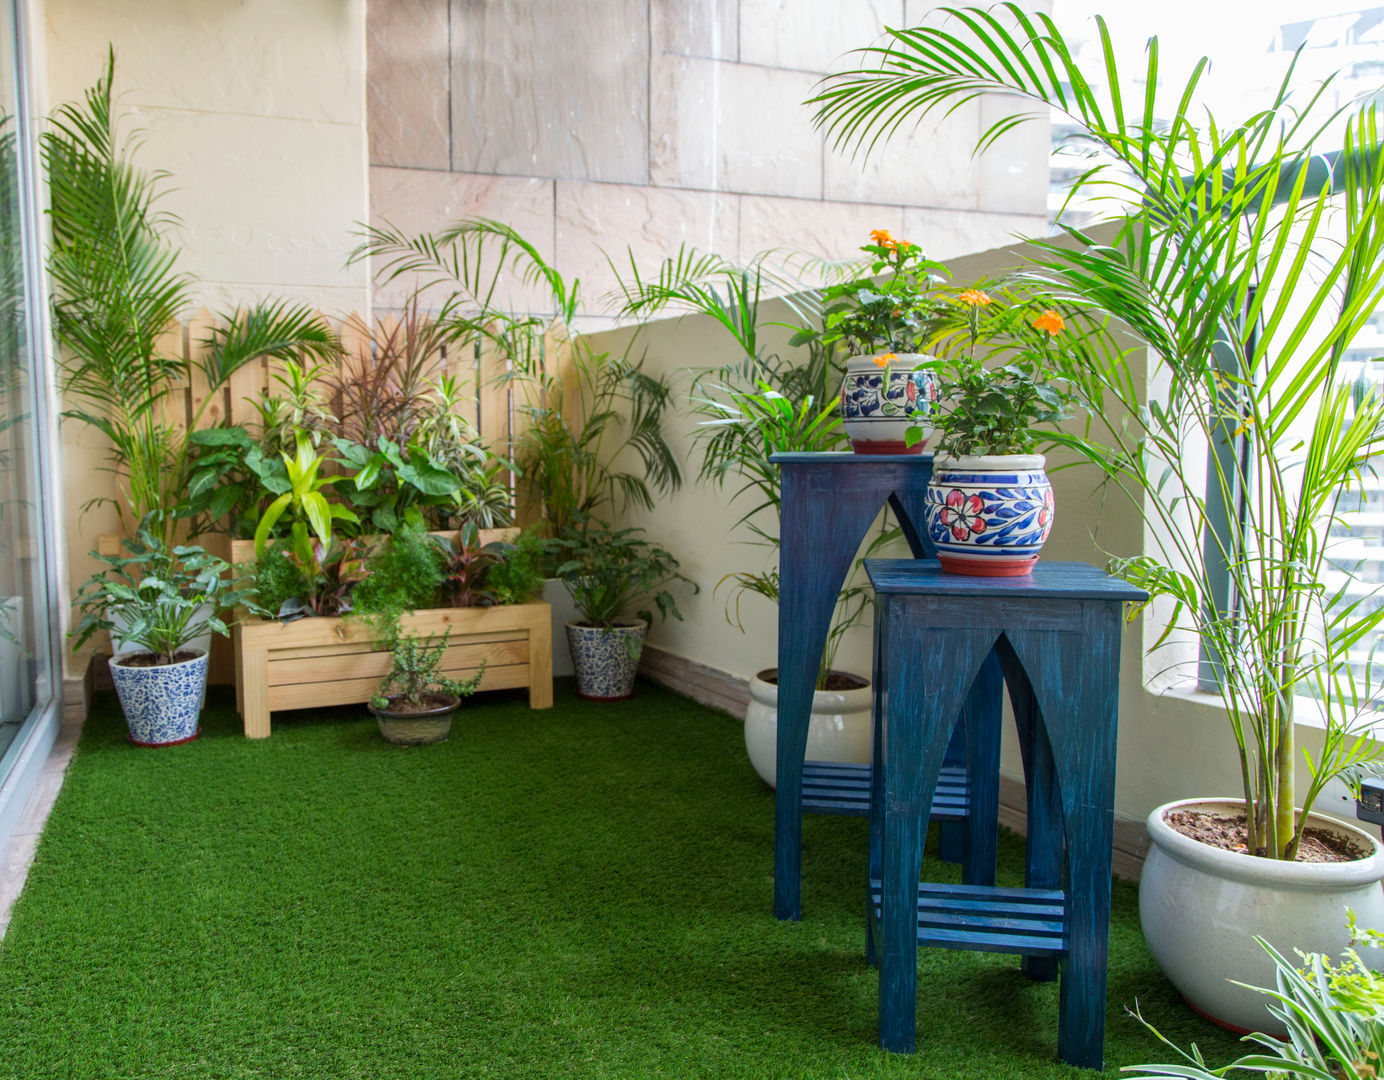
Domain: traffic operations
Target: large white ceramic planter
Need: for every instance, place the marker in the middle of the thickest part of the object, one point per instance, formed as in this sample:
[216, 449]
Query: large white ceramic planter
[989, 515]
[161, 704]
[876, 412]
[604, 660]
[1202, 907]
[839, 729]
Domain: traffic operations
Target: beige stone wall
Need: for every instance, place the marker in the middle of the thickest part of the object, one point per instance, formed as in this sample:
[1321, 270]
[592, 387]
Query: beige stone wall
[652, 123]
[257, 109]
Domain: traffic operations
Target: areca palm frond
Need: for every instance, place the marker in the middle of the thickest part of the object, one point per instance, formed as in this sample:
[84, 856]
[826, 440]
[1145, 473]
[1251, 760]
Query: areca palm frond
[1246, 260]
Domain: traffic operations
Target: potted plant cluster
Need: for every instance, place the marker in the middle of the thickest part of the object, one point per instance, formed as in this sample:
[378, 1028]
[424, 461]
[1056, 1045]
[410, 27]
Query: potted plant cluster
[163, 601]
[609, 572]
[749, 409]
[1244, 258]
[989, 504]
[883, 319]
[415, 702]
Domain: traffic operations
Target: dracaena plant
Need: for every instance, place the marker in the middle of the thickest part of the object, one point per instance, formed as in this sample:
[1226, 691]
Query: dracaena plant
[310, 533]
[1246, 256]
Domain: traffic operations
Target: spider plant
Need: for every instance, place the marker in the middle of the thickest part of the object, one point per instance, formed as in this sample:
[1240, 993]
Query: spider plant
[1246, 261]
[117, 290]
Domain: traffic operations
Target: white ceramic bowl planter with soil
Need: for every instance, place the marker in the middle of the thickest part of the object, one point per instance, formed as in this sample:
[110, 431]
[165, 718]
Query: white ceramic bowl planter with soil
[839, 729]
[1201, 908]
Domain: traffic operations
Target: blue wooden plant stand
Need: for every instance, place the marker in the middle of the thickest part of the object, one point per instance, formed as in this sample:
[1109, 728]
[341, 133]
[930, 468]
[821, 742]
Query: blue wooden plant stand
[1057, 635]
[828, 503]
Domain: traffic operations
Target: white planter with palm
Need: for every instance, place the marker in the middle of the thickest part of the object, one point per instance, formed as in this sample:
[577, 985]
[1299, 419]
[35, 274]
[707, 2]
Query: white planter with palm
[1247, 339]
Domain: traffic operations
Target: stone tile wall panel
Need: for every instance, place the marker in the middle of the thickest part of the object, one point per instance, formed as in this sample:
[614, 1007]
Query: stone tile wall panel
[551, 88]
[811, 35]
[706, 28]
[408, 100]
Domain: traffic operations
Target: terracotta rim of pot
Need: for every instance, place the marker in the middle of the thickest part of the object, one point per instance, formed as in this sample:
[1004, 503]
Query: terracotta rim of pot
[1254, 869]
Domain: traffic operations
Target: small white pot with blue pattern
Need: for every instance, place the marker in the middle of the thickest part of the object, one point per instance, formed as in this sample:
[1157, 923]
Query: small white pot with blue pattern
[606, 660]
[989, 515]
[879, 395]
[162, 704]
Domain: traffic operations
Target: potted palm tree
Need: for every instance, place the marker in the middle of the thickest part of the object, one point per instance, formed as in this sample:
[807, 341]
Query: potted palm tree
[162, 600]
[1245, 260]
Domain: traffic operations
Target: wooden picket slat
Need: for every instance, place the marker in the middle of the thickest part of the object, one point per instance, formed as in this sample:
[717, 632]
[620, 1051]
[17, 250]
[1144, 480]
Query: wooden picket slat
[172, 343]
[198, 327]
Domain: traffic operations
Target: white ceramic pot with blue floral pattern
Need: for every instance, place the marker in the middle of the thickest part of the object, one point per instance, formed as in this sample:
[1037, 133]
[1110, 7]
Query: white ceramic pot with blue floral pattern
[989, 515]
[878, 395]
[161, 703]
[606, 659]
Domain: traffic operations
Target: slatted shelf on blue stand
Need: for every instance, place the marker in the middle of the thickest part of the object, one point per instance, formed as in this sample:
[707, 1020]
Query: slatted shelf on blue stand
[988, 919]
[839, 787]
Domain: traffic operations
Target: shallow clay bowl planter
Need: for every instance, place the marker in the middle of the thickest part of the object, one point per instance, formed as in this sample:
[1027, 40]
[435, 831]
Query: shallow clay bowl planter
[1201, 908]
[409, 725]
[161, 702]
[839, 728]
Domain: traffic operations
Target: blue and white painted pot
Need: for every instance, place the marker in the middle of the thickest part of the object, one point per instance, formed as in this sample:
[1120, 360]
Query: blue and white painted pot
[876, 411]
[989, 515]
[161, 704]
[605, 661]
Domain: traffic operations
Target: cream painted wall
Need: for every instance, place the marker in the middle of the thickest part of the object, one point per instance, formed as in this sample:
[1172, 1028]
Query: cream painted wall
[1170, 745]
[257, 110]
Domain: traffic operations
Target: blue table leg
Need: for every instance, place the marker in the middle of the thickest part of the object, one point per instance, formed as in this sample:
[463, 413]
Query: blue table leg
[983, 717]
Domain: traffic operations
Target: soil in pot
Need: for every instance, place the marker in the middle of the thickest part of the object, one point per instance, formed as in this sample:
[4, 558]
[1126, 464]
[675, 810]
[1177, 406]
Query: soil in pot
[1228, 834]
[147, 659]
[836, 680]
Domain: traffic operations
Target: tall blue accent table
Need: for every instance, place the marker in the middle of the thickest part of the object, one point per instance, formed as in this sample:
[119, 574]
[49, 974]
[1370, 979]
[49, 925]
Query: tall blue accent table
[1057, 636]
[828, 503]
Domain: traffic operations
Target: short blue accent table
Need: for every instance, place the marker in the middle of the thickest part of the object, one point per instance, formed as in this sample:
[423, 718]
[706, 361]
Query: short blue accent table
[828, 503]
[1057, 636]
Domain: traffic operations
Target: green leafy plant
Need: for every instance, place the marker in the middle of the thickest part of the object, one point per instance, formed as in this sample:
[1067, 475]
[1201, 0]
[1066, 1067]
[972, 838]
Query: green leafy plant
[414, 673]
[405, 573]
[157, 597]
[517, 577]
[1333, 1012]
[1246, 258]
[995, 408]
[466, 569]
[891, 314]
[116, 291]
[589, 413]
[304, 500]
[610, 571]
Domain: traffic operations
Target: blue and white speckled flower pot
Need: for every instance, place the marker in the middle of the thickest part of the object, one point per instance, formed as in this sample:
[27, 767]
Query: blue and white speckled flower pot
[989, 515]
[604, 661]
[876, 413]
[161, 704]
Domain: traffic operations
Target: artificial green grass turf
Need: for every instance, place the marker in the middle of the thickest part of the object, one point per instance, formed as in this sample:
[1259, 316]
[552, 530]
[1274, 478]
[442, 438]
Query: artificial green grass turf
[584, 891]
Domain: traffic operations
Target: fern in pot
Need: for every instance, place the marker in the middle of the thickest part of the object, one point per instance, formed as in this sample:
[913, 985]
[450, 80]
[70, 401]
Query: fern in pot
[609, 572]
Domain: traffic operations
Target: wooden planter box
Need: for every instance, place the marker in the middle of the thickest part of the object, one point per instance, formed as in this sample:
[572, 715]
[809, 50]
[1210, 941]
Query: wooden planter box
[331, 661]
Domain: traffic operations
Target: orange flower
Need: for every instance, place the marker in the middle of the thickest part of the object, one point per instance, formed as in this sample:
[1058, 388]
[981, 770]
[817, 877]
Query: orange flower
[976, 298]
[1050, 323]
[882, 238]
[885, 360]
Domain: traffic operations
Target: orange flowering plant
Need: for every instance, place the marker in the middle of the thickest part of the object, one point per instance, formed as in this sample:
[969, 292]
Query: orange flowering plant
[892, 309]
[993, 409]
